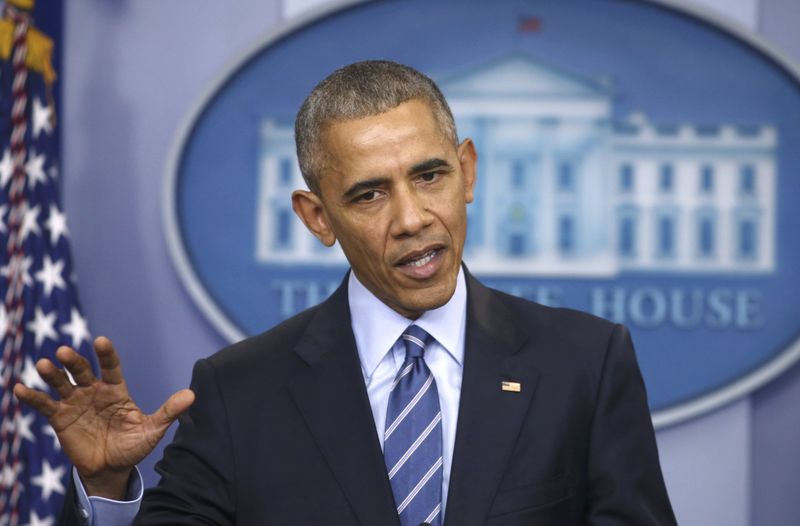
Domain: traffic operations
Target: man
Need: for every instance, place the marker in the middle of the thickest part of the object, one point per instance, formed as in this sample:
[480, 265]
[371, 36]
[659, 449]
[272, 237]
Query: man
[412, 395]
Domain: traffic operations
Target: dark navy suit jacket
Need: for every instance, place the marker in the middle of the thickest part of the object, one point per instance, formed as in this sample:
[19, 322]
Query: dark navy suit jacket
[282, 431]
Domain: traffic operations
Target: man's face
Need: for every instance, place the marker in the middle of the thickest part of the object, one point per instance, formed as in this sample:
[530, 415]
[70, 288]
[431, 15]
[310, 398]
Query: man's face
[394, 192]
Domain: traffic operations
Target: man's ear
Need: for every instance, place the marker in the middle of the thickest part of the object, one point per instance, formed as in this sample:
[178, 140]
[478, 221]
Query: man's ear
[468, 158]
[311, 211]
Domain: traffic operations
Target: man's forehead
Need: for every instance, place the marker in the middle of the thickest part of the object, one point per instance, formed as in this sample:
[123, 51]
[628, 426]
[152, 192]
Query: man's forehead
[400, 126]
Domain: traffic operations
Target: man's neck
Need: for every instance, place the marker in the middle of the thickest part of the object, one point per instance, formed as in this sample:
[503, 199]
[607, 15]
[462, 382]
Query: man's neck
[376, 326]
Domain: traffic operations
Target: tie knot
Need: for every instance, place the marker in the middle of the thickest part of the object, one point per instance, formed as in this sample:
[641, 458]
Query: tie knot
[415, 340]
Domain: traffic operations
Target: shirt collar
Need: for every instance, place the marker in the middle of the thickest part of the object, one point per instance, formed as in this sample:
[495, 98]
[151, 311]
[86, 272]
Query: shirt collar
[377, 327]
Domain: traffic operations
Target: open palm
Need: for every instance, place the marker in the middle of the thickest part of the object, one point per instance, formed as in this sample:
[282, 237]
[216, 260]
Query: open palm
[99, 426]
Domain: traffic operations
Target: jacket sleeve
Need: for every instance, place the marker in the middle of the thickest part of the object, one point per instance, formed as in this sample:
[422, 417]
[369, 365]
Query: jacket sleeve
[197, 483]
[625, 481]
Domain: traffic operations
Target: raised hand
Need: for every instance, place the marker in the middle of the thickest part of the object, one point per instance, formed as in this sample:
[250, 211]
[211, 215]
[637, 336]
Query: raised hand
[101, 429]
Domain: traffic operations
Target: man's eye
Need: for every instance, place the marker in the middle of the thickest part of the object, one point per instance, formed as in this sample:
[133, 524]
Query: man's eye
[367, 196]
[429, 177]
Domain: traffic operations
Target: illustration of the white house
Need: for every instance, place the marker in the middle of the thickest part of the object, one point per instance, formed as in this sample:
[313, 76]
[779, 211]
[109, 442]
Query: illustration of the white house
[565, 189]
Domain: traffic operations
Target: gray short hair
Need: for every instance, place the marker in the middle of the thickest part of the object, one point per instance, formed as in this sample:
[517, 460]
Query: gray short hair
[356, 91]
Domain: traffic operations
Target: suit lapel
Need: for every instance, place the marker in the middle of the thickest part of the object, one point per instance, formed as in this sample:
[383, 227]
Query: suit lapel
[489, 418]
[333, 400]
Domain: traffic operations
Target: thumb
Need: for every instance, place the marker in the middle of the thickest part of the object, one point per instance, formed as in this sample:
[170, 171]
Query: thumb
[172, 408]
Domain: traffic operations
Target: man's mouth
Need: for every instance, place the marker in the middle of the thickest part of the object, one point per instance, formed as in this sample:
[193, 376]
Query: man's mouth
[423, 259]
[422, 264]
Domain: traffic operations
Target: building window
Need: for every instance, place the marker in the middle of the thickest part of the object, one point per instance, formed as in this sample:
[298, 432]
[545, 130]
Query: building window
[666, 236]
[517, 213]
[747, 179]
[566, 234]
[286, 171]
[517, 175]
[566, 177]
[627, 236]
[707, 179]
[666, 178]
[707, 130]
[705, 237]
[283, 229]
[747, 242]
[626, 181]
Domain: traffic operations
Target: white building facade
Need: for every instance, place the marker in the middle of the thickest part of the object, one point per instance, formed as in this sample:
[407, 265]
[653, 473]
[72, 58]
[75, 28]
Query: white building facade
[564, 190]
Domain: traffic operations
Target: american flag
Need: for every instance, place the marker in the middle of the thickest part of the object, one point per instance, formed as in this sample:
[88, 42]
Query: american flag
[39, 309]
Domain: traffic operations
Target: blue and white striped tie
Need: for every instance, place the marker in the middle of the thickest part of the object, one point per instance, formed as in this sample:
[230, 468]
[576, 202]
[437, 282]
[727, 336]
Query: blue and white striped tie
[412, 440]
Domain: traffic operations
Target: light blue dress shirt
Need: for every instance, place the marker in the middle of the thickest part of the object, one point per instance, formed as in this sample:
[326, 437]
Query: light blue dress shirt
[107, 512]
[376, 328]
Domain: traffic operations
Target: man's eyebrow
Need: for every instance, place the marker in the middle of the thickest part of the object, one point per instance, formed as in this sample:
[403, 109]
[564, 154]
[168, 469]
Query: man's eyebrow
[427, 166]
[368, 184]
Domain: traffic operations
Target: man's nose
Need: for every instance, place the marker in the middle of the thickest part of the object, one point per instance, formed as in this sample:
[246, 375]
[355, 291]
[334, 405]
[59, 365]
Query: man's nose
[410, 212]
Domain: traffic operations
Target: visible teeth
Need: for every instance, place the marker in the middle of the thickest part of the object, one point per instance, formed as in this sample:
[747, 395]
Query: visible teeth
[424, 260]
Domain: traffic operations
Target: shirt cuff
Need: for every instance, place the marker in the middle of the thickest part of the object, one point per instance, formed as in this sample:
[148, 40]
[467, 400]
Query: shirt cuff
[108, 512]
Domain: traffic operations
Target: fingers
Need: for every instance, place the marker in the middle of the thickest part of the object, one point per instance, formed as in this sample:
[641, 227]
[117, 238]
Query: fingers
[55, 377]
[110, 369]
[77, 365]
[172, 408]
[36, 399]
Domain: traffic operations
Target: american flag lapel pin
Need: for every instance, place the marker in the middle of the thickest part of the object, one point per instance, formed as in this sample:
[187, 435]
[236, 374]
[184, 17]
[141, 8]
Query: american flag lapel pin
[511, 387]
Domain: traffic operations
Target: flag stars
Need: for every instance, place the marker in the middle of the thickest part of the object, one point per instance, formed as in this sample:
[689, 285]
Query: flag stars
[42, 326]
[6, 168]
[50, 480]
[30, 222]
[42, 118]
[76, 328]
[8, 475]
[50, 275]
[57, 224]
[3, 321]
[23, 426]
[30, 377]
[35, 520]
[35, 169]
[25, 264]
[48, 430]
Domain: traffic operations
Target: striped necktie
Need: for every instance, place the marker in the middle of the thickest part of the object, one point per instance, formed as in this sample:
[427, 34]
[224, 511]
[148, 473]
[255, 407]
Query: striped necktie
[412, 438]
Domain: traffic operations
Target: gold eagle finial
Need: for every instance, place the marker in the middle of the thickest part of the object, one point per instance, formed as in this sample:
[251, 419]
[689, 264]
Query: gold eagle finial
[40, 46]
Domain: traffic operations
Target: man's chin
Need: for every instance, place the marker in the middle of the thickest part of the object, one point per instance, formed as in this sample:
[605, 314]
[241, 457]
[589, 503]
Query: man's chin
[413, 305]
